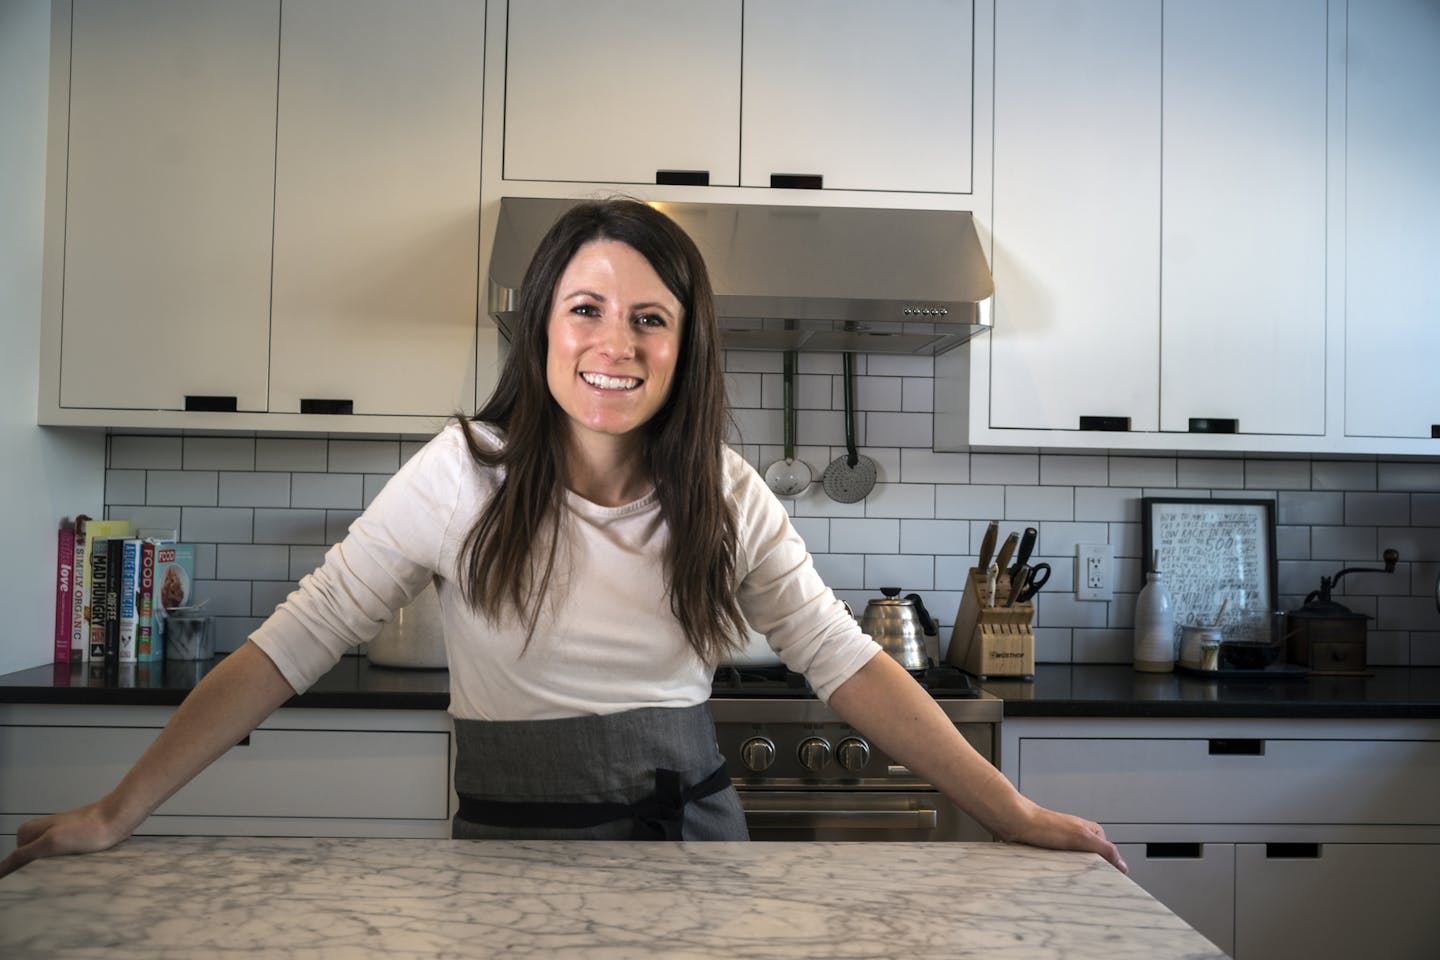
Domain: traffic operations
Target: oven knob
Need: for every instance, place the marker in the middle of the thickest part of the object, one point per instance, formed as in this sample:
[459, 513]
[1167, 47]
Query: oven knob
[814, 754]
[757, 754]
[853, 753]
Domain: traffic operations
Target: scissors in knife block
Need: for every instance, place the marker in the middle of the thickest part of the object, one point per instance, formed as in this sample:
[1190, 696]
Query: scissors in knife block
[1038, 576]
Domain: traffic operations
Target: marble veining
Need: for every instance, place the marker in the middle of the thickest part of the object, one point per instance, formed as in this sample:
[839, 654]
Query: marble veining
[161, 898]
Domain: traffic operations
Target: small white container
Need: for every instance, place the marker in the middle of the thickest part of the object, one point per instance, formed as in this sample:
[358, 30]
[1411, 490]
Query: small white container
[1154, 627]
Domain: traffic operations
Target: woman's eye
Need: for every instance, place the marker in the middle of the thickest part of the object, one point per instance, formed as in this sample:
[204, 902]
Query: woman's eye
[650, 320]
[586, 310]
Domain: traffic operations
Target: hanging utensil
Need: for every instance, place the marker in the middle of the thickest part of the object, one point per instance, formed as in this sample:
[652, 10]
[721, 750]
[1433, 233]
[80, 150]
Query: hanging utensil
[849, 478]
[789, 477]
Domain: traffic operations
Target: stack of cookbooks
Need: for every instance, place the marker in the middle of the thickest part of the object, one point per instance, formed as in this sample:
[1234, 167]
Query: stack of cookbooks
[113, 589]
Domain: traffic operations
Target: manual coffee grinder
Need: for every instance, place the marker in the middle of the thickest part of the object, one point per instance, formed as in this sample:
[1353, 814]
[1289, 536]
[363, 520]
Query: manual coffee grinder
[1327, 636]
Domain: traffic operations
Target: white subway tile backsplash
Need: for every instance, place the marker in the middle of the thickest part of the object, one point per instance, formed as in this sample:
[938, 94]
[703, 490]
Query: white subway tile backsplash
[1342, 475]
[408, 449]
[248, 561]
[125, 487]
[1381, 509]
[1126, 539]
[1411, 476]
[1040, 503]
[205, 560]
[935, 537]
[1425, 509]
[151, 521]
[374, 483]
[899, 430]
[182, 488]
[882, 365]
[1299, 577]
[1277, 474]
[219, 453]
[967, 501]
[758, 425]
[1387, 648]
[1074, 470]
[950, 574]
[812, 392]
[865, 536]
[1061, 610]
[1103, 646]
[901, 500]
[1011, 468]
[815, 503]
[1210, 474]
[927, 466]
[364, 456]
[266, 595]
[223, 598]
[917, 396]
[815, 531]
[1408, 613]
[873, 393]
[144, 453]
[1313, 508]
[756, 361]
[1121, 504]
[290, 526]
[325, 490]
[747, 390]
[305, 560]
[1052, 645]
[842, 571]
[1292, 543]
[1337, 543]
[907, 573]
[1059, 539]
[816, 427]
[254, 489]
[291, 454]
[337, 524]
[1425, 648]
[217, 524]
[1142, 471]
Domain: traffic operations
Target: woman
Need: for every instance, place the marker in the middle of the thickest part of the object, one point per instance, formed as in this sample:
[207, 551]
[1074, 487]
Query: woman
[596, 549]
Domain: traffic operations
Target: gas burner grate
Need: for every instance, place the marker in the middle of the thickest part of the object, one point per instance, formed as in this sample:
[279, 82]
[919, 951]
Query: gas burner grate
[941, 680]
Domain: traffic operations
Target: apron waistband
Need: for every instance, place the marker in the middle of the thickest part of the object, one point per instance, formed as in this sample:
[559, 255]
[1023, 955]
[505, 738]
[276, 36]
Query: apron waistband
[659, 816]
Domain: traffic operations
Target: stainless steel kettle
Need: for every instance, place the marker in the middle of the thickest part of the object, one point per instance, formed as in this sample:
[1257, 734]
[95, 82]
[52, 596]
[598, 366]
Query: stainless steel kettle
[899, 624]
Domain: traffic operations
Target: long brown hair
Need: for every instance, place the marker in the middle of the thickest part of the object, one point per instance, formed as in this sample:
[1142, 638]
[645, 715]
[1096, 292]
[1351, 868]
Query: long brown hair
[508, 556]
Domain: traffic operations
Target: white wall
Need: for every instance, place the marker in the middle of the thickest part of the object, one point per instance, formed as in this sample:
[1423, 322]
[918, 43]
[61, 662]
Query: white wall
[44, 474]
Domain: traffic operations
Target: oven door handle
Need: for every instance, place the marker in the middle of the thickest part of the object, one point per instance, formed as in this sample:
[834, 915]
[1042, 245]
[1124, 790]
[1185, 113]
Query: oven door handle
[923, 818]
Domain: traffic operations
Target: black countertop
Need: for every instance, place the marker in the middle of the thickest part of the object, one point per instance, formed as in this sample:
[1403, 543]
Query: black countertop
[1059, 690]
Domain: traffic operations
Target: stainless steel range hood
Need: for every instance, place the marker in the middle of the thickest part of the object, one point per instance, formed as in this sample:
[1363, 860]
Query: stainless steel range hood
[804, 278]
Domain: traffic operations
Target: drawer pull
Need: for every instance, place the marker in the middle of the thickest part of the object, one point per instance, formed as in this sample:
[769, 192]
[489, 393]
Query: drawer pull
[199, 404]
[1214, 425]
[798, 181]
[683, 178]
[1115, 424]
[327, 406]
[1435, 431]
[1232, 747]
[244, 741]
[1292, 851]
[1174, 851]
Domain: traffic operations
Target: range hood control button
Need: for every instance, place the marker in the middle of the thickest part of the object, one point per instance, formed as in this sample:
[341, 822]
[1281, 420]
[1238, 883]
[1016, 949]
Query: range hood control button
[814, 754]
[853, 754]
[758, 753]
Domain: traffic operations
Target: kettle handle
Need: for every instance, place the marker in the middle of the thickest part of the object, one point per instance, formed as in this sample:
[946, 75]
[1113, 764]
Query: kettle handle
[926, 623]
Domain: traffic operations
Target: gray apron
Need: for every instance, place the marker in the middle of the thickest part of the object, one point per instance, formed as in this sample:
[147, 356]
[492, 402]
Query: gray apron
[652, 773]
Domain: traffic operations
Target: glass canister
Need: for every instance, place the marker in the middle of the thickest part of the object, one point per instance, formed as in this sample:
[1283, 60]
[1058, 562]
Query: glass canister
[189, 635]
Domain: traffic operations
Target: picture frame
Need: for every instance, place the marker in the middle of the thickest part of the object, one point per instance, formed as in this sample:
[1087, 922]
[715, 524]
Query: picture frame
[1213, 554]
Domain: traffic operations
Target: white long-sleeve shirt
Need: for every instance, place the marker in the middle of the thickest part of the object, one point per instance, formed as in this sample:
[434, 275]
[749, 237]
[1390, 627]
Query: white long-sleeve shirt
[606, 640]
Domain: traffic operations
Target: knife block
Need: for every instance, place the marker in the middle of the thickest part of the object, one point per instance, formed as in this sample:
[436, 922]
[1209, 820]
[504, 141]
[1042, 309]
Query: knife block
[992, 641]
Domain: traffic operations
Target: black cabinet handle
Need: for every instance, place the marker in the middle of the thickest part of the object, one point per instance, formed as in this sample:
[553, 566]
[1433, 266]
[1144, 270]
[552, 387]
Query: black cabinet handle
[1174, 851]
[1114, 424]
[1214, 425]
[327, 406]
[1435, 431]
[683, 178]
[1292, 851]
[1236, 747]
[200, 404]
[244, 741]
[798, 181]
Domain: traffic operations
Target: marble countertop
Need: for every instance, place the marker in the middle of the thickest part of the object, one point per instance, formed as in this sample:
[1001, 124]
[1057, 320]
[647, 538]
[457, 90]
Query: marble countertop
[160, 898]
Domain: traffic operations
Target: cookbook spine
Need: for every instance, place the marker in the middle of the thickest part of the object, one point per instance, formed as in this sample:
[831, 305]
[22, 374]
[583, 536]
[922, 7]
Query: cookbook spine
[146, 649]
[78, 637]
[129, 579]
[115, 552]
[98, 530]
[64, 590]
[99, 565]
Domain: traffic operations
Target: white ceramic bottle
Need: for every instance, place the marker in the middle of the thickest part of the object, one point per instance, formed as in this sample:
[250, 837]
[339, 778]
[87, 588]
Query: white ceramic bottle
[1154, 626]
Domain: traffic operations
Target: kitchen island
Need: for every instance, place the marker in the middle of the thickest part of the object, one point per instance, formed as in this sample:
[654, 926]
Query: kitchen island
[157, 898]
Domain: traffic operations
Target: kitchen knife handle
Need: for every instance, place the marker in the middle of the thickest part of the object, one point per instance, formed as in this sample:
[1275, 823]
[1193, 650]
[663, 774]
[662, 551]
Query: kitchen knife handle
[1008, 551]
[987, 545]
[1017, 583]
[1027, 546]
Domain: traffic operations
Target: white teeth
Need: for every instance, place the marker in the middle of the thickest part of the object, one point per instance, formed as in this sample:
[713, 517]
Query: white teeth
[609, 383]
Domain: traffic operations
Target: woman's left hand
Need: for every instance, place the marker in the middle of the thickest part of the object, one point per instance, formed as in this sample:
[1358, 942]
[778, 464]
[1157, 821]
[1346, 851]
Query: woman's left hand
[1041, 827]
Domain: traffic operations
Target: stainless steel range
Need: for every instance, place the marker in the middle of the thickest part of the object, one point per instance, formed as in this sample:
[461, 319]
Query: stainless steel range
[804, 774]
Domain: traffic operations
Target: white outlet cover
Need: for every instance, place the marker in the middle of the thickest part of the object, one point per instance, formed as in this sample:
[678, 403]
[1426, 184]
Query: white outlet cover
[1093, 572]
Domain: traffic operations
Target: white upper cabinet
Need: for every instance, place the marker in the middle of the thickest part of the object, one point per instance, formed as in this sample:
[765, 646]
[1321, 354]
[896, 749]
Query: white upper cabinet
[616, 92]
[865, 95]
[1392, 218]
[169, 195]
[1243, 229]
[1077, 212]
[861, 95]
[377, 207]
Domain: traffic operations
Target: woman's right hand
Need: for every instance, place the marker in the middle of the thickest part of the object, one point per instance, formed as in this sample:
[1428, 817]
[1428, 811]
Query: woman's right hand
[82, 830]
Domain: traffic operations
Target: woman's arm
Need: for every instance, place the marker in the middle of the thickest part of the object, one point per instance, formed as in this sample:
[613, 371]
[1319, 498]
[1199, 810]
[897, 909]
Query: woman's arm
[884, 703]
[242, 690]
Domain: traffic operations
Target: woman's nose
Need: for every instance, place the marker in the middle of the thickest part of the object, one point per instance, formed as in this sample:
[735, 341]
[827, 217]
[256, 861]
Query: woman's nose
[617, 340]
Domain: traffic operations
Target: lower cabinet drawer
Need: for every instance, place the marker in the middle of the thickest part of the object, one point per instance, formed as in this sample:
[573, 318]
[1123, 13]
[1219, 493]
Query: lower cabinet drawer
[1234, 780]
[1196, 880]
[274, 773]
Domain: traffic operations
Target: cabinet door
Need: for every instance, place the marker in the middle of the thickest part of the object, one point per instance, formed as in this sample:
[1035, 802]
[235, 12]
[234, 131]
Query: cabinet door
[169, 203]
[377, 206]
[1336, 900]
[868, 96]
[617, 91]
[1196, 880]
[1243, 237]
[1077, 213]
[1392, 219]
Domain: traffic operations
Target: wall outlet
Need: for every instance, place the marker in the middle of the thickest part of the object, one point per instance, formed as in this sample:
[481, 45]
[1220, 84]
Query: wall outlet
[1092, 572]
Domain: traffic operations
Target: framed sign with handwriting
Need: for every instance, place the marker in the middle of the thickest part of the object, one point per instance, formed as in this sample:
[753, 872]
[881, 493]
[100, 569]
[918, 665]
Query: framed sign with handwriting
[1214, 554]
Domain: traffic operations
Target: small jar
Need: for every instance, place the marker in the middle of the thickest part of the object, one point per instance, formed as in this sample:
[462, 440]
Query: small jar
[1154, 626]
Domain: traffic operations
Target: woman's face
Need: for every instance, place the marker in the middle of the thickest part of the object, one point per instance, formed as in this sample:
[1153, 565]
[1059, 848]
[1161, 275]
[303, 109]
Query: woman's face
[614, 340]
